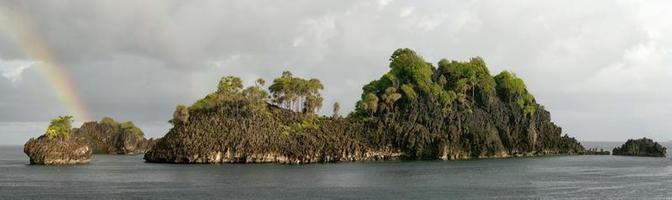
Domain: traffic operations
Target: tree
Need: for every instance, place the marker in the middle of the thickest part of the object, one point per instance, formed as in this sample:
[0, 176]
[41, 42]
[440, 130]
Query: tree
[60, 127]
[297, 94]
[260, 82]
[129, 127]
[370, 103]
[390, 96]
[511, 88]
[108, 121]
[336, 110]
[230, 84]
[181, 114]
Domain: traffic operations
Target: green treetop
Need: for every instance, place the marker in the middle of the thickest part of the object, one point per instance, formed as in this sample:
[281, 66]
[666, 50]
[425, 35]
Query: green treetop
[297, 94]
[513, 89]
[412, 79]
[60, 127]
[230, 88]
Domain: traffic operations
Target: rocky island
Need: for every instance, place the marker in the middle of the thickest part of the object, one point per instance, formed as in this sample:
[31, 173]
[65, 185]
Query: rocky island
[641, 147]
[57, 146]
[454, 110]
[62, 144]
[111, 137]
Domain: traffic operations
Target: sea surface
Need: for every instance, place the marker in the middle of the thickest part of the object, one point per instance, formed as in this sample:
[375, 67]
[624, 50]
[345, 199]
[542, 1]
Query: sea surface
[128, 177]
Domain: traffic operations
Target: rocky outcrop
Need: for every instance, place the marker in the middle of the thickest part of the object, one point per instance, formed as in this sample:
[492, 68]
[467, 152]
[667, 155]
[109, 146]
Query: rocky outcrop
[110, 137]
[57, 151]
[641, 147]
[415, 111]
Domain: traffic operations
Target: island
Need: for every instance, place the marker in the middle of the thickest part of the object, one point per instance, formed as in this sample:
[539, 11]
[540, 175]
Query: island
[644, 147]
[63, 144]
[454, 110]
[57, 146]
[111, 137]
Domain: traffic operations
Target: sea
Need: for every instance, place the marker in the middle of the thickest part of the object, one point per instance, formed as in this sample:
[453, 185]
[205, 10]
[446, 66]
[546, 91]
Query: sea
[551, 177]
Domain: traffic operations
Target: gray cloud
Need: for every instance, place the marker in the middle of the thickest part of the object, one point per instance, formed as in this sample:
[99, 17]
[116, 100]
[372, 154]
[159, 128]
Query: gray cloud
[600, 67]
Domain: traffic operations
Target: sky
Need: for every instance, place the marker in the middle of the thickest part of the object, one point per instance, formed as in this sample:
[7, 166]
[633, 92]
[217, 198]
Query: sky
[602, 68]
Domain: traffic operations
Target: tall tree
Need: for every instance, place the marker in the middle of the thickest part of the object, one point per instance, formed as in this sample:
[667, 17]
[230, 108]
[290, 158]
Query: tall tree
[336, 110]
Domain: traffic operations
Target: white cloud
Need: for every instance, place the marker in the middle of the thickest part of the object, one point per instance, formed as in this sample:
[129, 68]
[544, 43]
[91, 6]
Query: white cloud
[13, 70]
[383, 3]
[406, 12]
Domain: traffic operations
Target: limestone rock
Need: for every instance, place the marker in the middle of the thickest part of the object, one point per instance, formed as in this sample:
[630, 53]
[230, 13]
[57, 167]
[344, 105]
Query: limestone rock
[57, 151]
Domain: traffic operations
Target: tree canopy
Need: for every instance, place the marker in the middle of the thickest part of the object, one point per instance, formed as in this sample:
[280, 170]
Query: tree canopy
[513, 89]
[230, 88]
[297, 94]
[60, 127]
[453, 84]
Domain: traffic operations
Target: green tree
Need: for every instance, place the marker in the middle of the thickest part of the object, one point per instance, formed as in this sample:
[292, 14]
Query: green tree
[511, 88]
[296, 94]
[129, 127]
[370, 103]
[60, 127]
[230, 84]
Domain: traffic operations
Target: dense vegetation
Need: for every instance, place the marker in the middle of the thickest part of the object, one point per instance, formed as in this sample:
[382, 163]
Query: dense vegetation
[457, 110]
[641, 147]
[60, 127]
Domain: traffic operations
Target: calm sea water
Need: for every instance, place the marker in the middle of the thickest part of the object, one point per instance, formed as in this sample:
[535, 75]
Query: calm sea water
[128, 177]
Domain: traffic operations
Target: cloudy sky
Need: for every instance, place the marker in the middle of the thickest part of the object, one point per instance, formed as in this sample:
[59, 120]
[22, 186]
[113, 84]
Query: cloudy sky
[603, 68]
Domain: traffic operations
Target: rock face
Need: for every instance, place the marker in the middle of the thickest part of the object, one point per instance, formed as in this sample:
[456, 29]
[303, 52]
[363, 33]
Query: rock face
[110, 137]
[57, 151]
[641, 147]
[415, 111]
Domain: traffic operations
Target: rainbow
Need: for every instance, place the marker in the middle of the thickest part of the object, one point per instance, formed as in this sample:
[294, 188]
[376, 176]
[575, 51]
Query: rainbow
[48, 65]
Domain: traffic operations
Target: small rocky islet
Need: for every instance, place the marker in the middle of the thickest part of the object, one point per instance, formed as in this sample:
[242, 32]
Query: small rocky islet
[62, 144]
[643, 147]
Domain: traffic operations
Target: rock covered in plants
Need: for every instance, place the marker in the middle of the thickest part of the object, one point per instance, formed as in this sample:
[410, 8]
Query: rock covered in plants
[641, 147]
[111, 137]
[457, 110]
[57, 146]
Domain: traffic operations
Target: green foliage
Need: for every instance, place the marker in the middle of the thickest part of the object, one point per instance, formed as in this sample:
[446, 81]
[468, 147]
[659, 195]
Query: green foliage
[465, 77]
[370, 103]
[297, 94]
[310, 122]
[60, 127]
[230, 89]
[410, 68]
[229, 84]
[409, 92]
[109, 121]
[391, 96]
[513, 89]
[129, 127]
